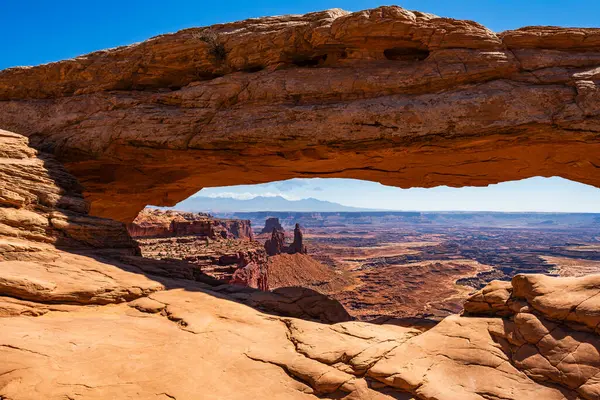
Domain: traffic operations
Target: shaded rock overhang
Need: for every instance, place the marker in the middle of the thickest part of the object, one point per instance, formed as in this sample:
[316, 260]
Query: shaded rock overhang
[403, 98]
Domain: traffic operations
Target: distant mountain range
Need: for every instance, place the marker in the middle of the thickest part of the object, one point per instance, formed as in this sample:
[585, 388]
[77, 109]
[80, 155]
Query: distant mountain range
[260, 203]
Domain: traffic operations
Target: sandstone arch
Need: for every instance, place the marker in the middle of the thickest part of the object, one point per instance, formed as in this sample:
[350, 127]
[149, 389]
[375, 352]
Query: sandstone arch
[403, 98]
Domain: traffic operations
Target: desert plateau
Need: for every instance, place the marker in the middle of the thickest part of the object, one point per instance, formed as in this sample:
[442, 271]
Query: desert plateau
[120, 280]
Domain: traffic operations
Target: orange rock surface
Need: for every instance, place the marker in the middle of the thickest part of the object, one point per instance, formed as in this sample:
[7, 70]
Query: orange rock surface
[164, 223]
[399, 97]
[78, 319]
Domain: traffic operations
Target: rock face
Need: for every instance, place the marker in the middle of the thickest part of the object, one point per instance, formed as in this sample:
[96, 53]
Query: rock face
[41, 203]
[66, 299]
[53, 255]
[429, 101]
[271, 224]
[42, 210]
[242, 262]
[169, 223]
[551, 328]
[238, 228]
[276, 244]
[297, 245]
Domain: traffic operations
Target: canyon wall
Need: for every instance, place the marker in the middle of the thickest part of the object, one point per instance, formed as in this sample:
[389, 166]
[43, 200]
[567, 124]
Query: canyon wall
[398, 97]
[41, 204]
[166, 223]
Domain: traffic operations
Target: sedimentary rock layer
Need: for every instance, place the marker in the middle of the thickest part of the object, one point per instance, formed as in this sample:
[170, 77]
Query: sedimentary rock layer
[404, 98]
[551, 328]
[53, 253]
[79, 319]
[166, 223]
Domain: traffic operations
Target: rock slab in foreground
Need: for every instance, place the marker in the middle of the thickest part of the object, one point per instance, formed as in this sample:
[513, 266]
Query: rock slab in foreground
[79, 319]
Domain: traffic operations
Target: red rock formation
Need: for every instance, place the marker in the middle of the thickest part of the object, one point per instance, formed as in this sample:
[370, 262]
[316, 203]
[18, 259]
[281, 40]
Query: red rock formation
[166, 223]
[429, 101]
[221, 258]
[547, 333]
[271, 224]
[297, 245]
[210, 244]
[237, 228]
[41, 203]
[551, 328]
[53, 256]
[253, 275]
[276, 244]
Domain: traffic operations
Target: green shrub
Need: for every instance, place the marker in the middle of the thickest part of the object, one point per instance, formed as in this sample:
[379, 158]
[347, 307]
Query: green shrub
[216, 47]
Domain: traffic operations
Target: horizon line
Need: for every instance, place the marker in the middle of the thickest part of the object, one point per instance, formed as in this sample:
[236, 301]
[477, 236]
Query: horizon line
[383, 211]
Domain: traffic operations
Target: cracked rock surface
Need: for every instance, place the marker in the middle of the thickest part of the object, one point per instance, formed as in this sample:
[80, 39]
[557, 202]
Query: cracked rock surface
[550, 328]
[83, 320]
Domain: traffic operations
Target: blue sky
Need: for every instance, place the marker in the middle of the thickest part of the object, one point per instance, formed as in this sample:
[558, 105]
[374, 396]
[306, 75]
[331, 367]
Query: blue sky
[534, 194]
[40, 31]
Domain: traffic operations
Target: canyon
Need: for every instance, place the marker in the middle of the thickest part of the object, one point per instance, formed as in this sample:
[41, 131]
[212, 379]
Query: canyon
[399, 97]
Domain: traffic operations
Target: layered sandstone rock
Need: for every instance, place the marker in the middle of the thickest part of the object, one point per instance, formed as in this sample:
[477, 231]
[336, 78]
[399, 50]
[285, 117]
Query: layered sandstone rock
[53, 255]
[400, 97]
[71, 318]
[165, 223]
[551, 328]
[276, 244]
[42, 203]
[428, 101]
[42, 210]
[220, 248]
[227, 260]
[297, 245]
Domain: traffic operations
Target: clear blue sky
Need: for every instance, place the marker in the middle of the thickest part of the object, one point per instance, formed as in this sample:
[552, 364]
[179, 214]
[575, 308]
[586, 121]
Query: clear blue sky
[40, 31]
[534, 194]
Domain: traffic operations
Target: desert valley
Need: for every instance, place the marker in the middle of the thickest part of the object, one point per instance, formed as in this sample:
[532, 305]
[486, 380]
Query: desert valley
[110, 291]
[403, 265]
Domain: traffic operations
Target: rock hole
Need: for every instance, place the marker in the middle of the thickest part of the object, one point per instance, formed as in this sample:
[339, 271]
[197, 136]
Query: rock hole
[301, 61]
[254, 68]
[405, 54]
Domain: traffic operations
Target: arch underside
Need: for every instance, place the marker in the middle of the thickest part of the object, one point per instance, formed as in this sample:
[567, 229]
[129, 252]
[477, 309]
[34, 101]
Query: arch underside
[430, 102]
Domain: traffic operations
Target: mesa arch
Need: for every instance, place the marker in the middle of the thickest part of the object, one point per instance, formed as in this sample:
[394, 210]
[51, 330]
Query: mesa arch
[403, 98]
